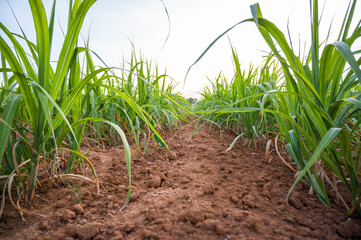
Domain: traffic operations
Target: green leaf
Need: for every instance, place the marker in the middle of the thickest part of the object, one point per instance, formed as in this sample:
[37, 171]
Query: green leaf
[256, 12]
[68, 49]
[8, 117]
[158, 140]
[234, 142]
[326, 140]
[347, 54]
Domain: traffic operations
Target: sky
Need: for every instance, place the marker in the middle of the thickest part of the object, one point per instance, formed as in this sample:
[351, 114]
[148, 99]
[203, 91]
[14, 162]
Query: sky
[113, 24]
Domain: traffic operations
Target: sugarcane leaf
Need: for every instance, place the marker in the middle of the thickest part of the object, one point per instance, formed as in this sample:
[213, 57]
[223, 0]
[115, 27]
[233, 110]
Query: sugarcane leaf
[326, 140]
[8, 116]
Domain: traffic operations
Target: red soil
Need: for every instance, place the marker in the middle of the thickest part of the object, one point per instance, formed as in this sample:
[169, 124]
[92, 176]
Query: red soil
[195, 191]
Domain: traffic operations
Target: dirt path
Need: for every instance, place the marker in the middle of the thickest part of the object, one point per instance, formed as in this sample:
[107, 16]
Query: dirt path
[198, 191]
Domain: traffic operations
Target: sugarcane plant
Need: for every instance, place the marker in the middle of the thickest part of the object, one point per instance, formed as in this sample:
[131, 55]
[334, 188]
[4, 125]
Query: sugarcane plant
[43, 104]
[154, 92]
[245, 84]
[317, 107]
[320, 98]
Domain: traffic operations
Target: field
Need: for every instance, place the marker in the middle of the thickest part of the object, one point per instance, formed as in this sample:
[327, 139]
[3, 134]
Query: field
[198, 191]
[99, 152]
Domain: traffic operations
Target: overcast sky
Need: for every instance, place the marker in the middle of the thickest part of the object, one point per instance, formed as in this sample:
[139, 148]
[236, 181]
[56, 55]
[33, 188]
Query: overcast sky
[194, 25]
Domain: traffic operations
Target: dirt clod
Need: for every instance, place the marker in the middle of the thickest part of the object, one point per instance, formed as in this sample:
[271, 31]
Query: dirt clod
[252, 223]
[87, 231]
[67, 215]
[349, 229]
[155, 181]
[60, 204]
[118, 236]
[44, 225]
[220, 230]
[208, 189]
[78, 209]
[193, 215]
[148, 234]
[172, 155]
[249, 201]
[209, 224]
[151, 215]
[234, 199]
[295, 202]
[99, 237]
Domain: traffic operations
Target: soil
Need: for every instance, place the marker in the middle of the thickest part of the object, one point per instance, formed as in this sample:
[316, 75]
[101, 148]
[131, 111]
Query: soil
[196, 190]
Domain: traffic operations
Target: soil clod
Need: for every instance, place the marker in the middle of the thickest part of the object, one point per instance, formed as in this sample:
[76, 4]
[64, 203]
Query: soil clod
[155, 181]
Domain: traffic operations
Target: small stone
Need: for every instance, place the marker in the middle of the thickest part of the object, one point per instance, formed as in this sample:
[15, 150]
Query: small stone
[110, 197]
[83, 221]
[78, 209]
[155, 181]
